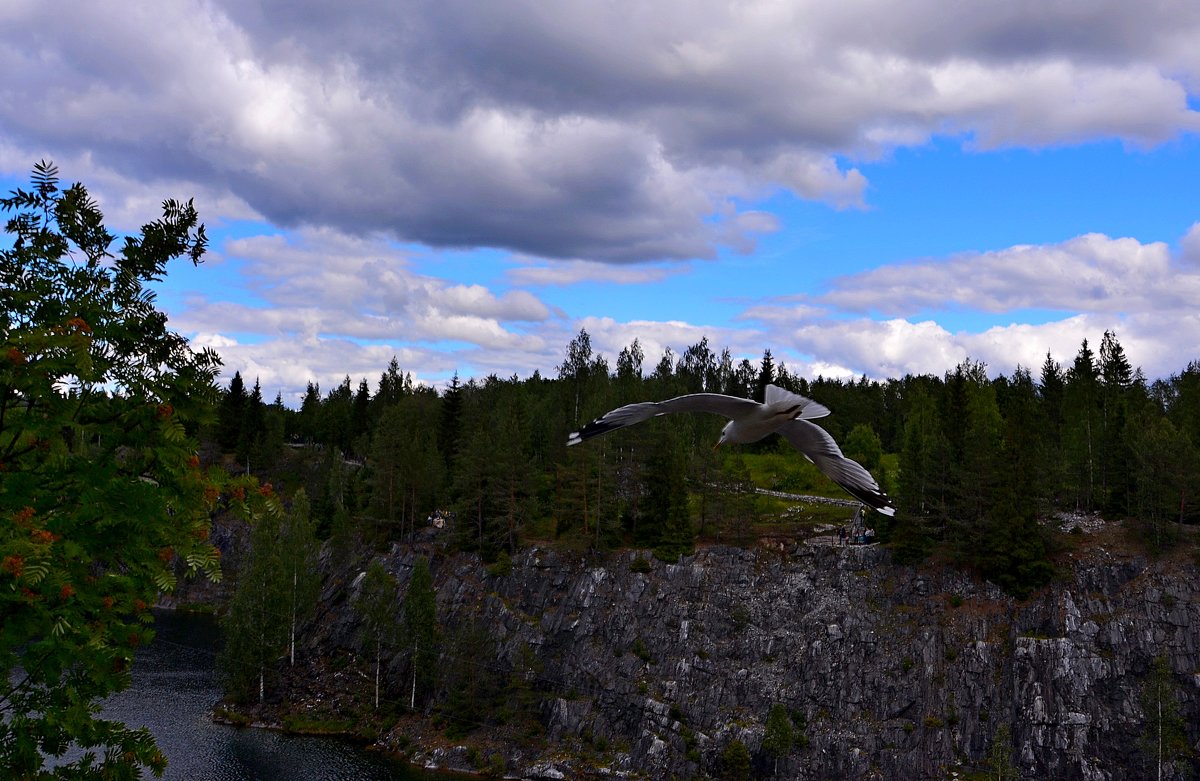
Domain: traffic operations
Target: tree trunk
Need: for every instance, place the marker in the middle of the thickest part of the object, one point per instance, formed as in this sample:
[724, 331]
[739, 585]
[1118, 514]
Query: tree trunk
[292, 627]
[412, 703]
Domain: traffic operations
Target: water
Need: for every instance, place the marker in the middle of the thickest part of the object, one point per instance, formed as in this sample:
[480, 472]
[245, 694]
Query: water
[174, 688]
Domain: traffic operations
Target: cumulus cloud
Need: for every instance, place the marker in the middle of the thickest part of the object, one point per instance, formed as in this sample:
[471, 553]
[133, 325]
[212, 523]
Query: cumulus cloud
[1098, 283]
[1189, 247]
[612, 132]
[351, 303]
[1092, 273]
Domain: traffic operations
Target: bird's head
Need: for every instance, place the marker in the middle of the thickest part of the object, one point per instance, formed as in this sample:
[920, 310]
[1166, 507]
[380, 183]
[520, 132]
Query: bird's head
[724, 435]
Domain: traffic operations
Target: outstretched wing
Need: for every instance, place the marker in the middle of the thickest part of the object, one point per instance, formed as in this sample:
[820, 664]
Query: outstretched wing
[716, 403]
[778, 399]
[817, 446]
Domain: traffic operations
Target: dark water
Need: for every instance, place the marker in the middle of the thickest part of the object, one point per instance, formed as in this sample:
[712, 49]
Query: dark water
[174, 689]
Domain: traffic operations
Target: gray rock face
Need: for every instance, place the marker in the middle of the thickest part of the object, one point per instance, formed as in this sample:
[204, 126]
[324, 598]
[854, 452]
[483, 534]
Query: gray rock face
[899, 673]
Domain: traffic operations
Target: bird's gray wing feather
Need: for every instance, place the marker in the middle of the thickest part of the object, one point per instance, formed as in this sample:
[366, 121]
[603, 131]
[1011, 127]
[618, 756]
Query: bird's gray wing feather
[817, 446]
[778, 398]
[716, 403]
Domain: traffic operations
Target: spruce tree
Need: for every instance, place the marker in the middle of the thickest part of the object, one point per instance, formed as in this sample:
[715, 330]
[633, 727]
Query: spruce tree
[766, 376]
[232, 414]
[1081, 411]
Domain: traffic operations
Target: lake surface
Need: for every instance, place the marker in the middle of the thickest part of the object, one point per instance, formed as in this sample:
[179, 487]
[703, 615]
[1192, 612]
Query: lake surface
[174, 688]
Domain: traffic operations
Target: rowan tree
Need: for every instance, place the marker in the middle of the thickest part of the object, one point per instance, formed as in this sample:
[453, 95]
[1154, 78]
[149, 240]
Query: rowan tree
[101, 492]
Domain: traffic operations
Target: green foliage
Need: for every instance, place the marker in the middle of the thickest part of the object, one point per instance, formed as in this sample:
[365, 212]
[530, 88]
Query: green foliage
[255, 628]
[640, 564]
[377, 605]
[474, 687]
[735, 762]
[421, 630]
[1163, 741]
[665, 509]
[301, 580]
[863, 446]
[502, 566]
[522, 695]
[406, 472]
[976, 462]
[999, 764]
[102, 500]
[779, 736]
[1012, 552]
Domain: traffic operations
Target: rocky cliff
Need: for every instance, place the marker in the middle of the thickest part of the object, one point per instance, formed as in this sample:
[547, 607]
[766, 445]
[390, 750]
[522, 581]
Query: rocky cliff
[894, 672]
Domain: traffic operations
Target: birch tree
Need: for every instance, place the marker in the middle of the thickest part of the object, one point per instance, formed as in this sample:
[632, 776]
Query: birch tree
[301, 580]
[255, 626]
[378, 605]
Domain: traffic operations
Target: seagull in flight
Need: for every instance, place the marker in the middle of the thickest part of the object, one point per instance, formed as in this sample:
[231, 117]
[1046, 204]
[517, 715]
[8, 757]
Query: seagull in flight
[785, 412]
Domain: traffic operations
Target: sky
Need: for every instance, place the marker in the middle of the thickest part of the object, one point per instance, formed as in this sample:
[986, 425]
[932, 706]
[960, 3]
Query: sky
[863, 187]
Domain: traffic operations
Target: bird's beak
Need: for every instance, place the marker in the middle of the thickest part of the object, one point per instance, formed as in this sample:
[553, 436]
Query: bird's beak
[717, 445]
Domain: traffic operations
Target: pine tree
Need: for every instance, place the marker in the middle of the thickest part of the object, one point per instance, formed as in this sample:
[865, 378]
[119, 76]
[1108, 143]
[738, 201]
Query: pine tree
[473, 686]
[337, 411]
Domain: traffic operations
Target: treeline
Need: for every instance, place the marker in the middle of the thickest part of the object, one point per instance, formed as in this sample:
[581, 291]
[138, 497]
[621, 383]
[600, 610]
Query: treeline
[974, 461]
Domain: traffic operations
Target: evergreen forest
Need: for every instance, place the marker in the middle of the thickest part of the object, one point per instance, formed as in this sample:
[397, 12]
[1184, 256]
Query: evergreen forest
[976, 462]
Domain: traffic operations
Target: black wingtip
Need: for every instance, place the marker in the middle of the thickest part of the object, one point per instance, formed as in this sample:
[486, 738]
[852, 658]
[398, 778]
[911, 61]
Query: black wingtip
[876, 500]
[593, 429]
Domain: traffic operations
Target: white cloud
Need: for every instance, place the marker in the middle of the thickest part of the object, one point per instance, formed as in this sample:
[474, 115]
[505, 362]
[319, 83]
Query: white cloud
[1098, 283]
[573, 272]
[1091, 273]
[611, 132]
[1189, 247]
[352, 303]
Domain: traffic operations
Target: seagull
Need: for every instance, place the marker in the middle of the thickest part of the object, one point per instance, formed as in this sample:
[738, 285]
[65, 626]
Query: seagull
[784, 412]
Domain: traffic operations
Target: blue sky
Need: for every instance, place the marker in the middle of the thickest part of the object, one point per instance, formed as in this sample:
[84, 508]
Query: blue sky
[467, 185]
